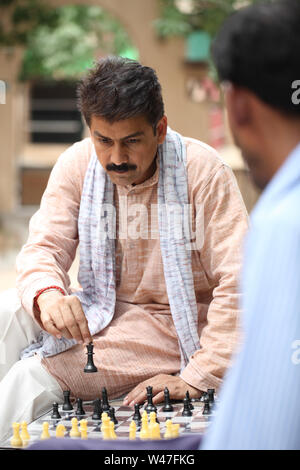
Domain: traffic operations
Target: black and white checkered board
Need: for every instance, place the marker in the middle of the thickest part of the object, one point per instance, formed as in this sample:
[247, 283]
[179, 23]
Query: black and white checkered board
[194, 424]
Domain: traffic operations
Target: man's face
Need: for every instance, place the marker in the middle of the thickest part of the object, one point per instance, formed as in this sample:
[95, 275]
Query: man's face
[127, 149]
[244, 114]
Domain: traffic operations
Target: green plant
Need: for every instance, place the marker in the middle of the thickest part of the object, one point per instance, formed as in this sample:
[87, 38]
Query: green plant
[18, 18]
[61, 43]
[181, 17]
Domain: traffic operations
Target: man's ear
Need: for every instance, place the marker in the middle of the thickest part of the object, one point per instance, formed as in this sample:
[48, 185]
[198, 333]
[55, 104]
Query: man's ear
[239, 106]
[161, 130]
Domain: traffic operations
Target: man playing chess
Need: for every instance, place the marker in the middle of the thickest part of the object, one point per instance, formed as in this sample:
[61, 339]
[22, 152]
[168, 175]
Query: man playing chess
[160, 222]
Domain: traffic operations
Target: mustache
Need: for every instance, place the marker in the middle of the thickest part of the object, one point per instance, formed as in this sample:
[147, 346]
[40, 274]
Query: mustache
[118, 168]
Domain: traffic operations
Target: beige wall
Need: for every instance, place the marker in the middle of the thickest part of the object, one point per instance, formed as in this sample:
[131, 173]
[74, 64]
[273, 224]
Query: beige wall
[166, 57]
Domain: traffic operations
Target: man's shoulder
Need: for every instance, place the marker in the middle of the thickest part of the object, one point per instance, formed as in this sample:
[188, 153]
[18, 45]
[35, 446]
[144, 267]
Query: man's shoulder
[282, 215]
[203, 162]
[78, 153]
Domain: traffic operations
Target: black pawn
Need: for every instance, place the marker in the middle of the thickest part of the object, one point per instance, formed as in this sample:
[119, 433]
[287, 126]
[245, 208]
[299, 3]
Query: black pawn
[206, 409]
[203, 397]
[186, 408]
[55, 413]
[137, 415]
[189, 400]
[90, 366]
[111, 414]
[67, 406]
[105, 404]
[168, 407]
[79, 410]
[211, 396]
[150, 406]
[97, 412]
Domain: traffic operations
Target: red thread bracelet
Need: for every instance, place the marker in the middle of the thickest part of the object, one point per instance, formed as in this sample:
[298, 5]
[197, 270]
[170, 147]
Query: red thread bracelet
[43, 290]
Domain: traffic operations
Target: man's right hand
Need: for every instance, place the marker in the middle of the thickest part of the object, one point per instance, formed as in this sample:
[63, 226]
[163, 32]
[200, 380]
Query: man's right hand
[62, 315]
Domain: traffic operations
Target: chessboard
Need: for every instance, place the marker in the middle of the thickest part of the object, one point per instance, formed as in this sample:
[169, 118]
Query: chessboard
[123, 415]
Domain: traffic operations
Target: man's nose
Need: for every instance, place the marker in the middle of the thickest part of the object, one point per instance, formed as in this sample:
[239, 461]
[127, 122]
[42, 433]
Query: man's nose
[118, 155]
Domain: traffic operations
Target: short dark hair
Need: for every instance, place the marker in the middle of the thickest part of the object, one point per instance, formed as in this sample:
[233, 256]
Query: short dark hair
[258, 47]
[117, 88]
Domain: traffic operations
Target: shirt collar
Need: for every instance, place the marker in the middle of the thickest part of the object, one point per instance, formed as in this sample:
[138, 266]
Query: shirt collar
[138, 187]
[286, 177]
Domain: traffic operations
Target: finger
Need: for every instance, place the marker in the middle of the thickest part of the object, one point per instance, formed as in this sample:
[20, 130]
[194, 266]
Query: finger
[137, 395]
[59, 322]
[50, 327]
[81, 321]
[71, 323]
[159, 398]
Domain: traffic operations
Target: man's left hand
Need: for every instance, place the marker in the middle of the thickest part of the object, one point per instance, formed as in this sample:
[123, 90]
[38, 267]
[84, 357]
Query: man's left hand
[177, 388]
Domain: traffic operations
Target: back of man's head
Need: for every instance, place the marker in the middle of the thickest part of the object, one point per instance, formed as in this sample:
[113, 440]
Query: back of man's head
[258, 48]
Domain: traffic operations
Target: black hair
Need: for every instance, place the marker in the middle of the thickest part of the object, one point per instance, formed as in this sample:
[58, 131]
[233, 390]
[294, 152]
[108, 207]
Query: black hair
[117, 88]
[258, 47]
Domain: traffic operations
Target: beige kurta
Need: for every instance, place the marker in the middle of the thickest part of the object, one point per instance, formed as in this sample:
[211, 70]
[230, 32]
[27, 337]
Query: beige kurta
[141, 340]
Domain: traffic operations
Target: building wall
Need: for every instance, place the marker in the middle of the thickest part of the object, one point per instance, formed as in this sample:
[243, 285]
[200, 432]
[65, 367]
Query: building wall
[167, 57]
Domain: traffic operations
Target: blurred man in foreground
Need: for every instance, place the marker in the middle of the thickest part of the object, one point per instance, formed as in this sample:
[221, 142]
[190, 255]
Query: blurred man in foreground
[257, 57]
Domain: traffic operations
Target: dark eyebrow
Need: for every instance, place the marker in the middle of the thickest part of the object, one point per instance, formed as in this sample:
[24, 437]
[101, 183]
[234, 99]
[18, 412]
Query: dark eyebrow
[136, 134]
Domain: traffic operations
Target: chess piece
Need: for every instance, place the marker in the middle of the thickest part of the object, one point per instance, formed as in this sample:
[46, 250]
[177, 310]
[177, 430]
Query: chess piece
[206, 409]
[45, 434]
[24, 433]
[60, 430]
[111, 414]
[83, 429]
[155, 431]
[150, 406]
[211, 396]
[137, 415]
[186, 408]
[189, 400]
[168, 407]
[90, 366]
[74, 430]
[144, 433]
[105, 404]
[105, 427]
[132, 431]
[97, 410]
[16, 440]
[175, 430]
[112, 430]
[152, 421]
[67, 406]
[55, 412]
[168, 433]
[79, 410]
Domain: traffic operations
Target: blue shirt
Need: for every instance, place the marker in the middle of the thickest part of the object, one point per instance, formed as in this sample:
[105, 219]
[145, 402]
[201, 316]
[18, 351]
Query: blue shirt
[259, 404]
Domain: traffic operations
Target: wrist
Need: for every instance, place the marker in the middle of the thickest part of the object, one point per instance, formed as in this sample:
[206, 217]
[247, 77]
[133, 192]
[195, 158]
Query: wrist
[51, 291]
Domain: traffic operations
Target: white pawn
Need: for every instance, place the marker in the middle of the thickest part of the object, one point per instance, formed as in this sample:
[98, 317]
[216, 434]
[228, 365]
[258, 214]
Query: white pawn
[16, 440]
[24, 433]
[74, 431]
[83, 429]
[169, 431]
[112, 430]
[132, 431]
[45, 434]
[144, 433]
